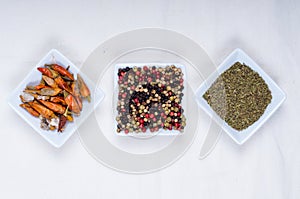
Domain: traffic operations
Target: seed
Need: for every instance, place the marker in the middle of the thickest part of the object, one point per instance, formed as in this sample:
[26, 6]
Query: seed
[148, 88]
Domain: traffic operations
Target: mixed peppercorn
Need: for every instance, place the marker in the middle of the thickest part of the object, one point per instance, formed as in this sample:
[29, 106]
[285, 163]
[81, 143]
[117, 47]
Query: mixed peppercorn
[150, 97]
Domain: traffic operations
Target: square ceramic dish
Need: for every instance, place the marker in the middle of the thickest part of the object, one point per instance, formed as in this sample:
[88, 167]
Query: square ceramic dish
[140, 66]
[278, 96]
[53, 137]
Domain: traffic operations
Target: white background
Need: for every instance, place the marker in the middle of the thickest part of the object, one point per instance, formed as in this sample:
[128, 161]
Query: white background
[267, 166]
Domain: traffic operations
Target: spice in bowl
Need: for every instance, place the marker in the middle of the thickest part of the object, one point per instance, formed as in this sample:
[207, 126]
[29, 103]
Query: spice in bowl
[239, 96]
[56, 98]
[150, 98]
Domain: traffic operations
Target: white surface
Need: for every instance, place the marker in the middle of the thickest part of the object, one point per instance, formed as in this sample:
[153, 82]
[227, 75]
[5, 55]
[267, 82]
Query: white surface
[267, 166]
[33, 78]
[278, 96]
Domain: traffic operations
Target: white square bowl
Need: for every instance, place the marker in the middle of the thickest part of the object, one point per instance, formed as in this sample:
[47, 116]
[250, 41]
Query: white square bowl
[278, 96]
[53, 137]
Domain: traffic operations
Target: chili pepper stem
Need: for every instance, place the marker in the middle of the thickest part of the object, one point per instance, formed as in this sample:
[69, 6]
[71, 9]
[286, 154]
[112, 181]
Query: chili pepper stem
[88, 98]
[66, 112]
[65, 93]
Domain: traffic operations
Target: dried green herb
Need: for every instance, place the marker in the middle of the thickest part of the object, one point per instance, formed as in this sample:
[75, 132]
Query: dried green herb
[239, 96]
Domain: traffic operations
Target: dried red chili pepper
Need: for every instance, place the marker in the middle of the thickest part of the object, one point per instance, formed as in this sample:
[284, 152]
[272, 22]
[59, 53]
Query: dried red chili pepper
[62, 123]
[61, 70]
